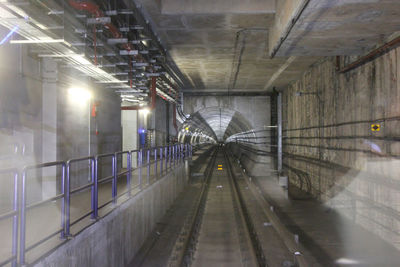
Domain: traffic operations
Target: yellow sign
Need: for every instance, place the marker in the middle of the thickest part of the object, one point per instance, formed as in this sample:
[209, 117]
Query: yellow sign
[375, 127]
[220, 169]
[219, 165]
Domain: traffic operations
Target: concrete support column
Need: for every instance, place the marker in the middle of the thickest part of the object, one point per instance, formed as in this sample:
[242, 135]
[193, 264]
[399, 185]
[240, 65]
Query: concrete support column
[129, 120]
[49, 126]
[279, 135]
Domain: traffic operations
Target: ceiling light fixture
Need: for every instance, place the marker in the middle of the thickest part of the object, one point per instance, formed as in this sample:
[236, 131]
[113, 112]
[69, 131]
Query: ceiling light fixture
[39, 41]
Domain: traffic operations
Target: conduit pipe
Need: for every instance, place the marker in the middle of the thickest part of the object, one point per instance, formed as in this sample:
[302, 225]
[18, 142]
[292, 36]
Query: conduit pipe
[174, 118]
[95, 10]
[369, 57]
[153, 95]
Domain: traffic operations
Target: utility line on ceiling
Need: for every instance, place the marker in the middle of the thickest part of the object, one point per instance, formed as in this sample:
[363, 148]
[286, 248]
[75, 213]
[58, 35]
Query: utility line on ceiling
[237, 57]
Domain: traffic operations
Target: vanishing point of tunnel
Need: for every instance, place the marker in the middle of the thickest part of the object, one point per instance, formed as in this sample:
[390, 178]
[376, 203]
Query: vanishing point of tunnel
[205, 133]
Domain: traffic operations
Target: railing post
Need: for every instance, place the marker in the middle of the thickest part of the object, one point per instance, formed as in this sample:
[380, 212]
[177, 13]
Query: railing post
[14, 249]
[161, 160]
[170, 156]
[129, 174]
[23, 220]
[140, 158]
[155, 162]
[166, 158]
[114, 180]
[63, 201]
[148, 166]
[173, 154]
[182, 152]
[176, 154]
[95, 189]
[67, 199]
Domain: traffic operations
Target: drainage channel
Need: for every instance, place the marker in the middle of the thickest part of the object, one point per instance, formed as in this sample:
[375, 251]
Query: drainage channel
[220, 231]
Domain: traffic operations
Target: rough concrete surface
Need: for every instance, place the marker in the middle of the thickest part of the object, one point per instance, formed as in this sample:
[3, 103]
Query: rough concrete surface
[114, 239]
[330, 149]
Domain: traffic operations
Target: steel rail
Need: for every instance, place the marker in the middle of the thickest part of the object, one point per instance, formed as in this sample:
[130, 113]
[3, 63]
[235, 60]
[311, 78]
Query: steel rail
[184, 255]
[251, 232]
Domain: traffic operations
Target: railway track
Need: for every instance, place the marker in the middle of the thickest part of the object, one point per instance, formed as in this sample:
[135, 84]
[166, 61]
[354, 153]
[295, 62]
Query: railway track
[219, 231]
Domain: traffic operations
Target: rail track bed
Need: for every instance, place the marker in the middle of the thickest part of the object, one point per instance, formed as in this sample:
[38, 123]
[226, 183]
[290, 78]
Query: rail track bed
[223, 226]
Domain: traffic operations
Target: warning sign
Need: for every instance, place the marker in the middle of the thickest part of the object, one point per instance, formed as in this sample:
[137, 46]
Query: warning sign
[375, 127]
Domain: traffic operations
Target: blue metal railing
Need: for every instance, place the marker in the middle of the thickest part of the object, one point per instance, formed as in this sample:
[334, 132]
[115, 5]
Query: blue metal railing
[164, 158]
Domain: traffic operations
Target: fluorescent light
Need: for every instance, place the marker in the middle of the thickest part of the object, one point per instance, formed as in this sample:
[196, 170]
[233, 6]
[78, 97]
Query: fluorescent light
[9, 35]
[39, 41]
[116, 81]
[79, 94]
[60, 55]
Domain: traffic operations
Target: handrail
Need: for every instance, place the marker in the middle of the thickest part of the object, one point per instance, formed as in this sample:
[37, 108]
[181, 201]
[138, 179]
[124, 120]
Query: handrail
[15, 215]
[168, 156]
[24, 207]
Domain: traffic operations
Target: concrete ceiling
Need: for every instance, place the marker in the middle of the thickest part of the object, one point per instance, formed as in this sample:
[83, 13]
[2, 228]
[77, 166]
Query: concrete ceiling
[227, 45]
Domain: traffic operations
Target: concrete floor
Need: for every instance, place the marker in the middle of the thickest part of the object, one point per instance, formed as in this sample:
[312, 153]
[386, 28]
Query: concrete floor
[331, 239]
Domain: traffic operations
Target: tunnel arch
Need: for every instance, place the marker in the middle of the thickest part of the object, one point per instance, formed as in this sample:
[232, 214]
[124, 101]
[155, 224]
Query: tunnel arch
[213, 124]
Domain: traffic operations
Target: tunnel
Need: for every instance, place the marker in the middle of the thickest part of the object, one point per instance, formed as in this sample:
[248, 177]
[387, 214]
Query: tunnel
[212, 124]
[146, 133]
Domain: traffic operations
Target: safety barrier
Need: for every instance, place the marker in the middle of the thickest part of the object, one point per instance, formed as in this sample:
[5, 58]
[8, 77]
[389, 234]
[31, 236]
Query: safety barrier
[14, 215]
[161, 159]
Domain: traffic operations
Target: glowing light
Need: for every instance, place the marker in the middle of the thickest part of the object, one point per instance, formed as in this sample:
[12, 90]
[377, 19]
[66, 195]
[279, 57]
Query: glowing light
[39, 41]
[9, 35]
[145, 111]
[79, 94]
[346, 261]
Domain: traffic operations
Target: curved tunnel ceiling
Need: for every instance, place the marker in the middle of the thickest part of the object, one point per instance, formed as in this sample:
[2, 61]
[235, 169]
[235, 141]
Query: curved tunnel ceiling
[216, 123]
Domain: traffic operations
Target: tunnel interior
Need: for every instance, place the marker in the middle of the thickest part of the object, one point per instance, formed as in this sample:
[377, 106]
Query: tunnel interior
[214, 125]
[109, 110]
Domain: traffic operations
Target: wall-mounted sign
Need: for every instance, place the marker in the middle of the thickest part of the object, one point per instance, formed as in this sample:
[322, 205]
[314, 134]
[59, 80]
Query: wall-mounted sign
[375, 127]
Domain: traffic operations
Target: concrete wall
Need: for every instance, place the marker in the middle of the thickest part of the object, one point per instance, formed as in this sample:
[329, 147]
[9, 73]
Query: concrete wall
[129, 121]
[161, 123]
[39, 123]
[20, 116]
[344, 163]
[114, 239]
[286, 11]
[219, 7]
